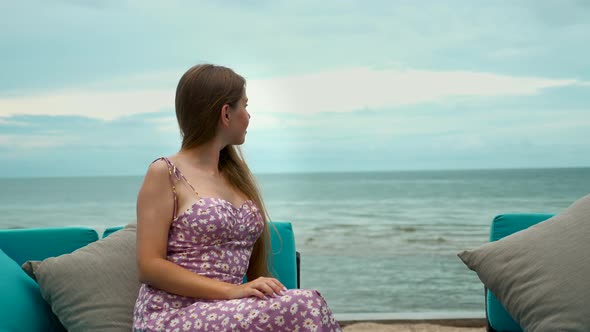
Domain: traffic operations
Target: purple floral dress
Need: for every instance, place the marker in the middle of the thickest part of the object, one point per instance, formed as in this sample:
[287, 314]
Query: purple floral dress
[215, 239]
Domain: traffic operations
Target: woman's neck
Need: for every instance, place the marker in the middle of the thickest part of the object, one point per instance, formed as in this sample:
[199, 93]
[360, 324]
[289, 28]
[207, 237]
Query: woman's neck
[204, 157]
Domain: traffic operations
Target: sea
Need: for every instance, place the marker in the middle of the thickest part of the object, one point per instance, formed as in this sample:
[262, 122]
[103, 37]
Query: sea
[370, 242]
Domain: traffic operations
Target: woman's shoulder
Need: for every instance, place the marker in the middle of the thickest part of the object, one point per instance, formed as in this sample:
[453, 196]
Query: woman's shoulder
[160, 168]
[163, 160]
[162, 163]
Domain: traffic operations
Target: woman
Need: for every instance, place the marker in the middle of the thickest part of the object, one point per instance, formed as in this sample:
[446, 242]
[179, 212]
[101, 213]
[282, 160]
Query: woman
[202, 226]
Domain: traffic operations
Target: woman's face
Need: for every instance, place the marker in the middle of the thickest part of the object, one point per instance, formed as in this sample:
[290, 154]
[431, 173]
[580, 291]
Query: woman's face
[240, 118]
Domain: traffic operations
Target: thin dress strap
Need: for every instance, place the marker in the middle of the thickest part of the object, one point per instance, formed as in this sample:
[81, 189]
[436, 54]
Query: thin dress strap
[175, 175]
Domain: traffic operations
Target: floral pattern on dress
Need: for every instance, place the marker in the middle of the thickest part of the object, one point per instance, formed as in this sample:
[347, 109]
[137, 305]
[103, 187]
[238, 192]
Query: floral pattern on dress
[215, 239]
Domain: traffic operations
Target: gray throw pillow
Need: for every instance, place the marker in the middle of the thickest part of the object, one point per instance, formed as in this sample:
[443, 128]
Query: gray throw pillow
[93, 288]
[542, 274]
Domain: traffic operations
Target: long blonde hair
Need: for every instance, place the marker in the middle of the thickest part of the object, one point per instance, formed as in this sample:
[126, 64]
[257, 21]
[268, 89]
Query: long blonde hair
[200, 95]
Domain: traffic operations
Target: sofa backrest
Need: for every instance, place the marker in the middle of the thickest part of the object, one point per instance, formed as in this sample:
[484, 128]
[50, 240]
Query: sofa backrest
[502, 226]
[23, 296]
[39, 243]
[283, 261]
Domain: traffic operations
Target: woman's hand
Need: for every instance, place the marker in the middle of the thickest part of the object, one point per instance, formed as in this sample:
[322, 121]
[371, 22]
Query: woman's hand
[260, 288]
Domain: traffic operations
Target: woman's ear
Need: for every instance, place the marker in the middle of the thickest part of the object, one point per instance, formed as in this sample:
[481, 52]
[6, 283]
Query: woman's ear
[225, 114]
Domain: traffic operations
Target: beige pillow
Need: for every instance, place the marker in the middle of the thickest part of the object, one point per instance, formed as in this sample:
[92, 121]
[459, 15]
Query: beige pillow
[93, 288]
[542, 274]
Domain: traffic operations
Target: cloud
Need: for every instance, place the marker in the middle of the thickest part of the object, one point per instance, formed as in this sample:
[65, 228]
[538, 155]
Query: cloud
[511, 52]
[164, 124]
[345, 90]
[526, 37]
[28, 142]
[13, 123]
[361, 88]
[91, 104]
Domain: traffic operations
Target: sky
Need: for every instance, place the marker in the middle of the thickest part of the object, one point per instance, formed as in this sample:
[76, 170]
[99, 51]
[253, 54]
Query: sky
[87, 87]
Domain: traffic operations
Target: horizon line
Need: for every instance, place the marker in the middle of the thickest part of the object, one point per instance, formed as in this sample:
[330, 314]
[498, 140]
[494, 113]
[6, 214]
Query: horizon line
[321, 172]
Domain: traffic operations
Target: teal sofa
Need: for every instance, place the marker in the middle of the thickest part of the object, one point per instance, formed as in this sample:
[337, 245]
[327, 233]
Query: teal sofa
[22, 307]
[498, 320]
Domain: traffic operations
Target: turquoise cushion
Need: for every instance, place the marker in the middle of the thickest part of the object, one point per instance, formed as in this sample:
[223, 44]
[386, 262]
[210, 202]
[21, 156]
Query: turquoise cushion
[284, 258]
[111, 230]
[283, 252]
[21, 245]
[504, 225]
[39, 243]
[21, 306]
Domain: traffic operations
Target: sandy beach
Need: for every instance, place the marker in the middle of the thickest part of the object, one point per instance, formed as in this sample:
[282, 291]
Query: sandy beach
[374, 327]
[413, 322]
